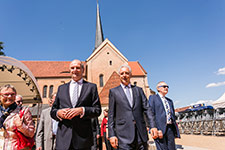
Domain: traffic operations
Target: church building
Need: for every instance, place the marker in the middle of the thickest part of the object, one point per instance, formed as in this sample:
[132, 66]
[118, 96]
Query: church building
[101, 68]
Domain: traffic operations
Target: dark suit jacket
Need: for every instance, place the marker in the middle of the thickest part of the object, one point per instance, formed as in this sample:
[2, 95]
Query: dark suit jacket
[78, 130]
[160, 114]
[95, 125]
[122, 117]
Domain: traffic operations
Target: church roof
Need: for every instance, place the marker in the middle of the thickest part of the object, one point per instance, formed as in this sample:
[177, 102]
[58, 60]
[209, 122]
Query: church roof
[137, 69]
[61, 68]
[102, 45]
[49, 68]
[113, 81]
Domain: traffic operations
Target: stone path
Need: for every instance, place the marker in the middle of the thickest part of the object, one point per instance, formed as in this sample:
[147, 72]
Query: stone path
[200, 142]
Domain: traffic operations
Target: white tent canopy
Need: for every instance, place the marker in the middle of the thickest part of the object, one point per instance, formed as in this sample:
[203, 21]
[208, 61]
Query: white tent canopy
[219, 103]
[17, 74]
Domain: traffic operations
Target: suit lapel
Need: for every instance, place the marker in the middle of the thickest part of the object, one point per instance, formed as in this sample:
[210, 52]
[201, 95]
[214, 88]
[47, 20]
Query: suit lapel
[134, 93]
[82, 93]
[67, 95]
[161, 103]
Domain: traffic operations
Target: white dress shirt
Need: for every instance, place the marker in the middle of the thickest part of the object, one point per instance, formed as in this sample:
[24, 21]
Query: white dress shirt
[72, 86]
[130, 89]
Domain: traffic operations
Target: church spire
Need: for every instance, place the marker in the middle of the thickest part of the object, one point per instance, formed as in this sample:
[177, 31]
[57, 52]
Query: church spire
[99, 38]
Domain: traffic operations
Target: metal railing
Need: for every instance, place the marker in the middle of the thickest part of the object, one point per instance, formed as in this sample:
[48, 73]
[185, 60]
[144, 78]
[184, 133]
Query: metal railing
[204, 122]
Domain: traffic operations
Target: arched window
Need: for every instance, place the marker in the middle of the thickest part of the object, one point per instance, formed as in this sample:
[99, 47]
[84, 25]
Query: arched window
[101, 80]
[45, 91]
[110, 62]
[50, 90]
[135, 83]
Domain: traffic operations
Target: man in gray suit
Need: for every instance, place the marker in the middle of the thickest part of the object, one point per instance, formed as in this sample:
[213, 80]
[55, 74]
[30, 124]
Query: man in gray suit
[126, 124]
[46, 131]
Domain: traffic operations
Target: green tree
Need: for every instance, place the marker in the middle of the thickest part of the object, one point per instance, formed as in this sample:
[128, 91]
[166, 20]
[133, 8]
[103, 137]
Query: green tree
[1, 48]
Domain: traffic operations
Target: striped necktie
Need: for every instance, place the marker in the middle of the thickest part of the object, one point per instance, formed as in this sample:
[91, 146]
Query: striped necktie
[168, 112]
[75, 95]
[128, 94]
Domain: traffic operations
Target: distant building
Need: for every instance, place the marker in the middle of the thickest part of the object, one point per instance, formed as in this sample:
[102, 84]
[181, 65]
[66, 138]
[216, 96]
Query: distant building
[101, 68]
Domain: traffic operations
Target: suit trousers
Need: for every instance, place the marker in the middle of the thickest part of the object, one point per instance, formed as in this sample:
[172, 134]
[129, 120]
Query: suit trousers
[53, 141]
[137, 144]
[107, 143]
[168, 141]
[94, 147]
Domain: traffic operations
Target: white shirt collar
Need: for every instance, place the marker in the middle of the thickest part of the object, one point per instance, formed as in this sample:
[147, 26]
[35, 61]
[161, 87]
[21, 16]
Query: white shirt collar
[124, 86]
[79, 82]
[160, 95]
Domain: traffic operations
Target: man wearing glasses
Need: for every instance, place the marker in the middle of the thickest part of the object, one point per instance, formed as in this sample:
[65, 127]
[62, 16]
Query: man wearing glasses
[163, 109]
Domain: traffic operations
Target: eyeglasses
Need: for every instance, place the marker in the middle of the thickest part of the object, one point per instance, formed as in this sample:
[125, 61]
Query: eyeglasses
[8, 94]
[164, 86]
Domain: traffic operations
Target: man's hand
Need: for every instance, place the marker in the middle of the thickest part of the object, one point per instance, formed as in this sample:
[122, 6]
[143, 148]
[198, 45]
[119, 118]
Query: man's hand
[98, 136]
[114, 142]
[154, 133]
[160, 134]
[39, 148]
[73, 112]
[62, 112]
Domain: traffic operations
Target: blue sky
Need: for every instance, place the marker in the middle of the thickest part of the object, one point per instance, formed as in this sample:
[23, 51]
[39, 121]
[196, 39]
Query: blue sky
[179, 41]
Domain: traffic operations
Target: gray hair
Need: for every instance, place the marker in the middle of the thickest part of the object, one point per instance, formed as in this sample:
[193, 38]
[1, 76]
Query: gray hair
[125, 66]
[19, 96]
[157, 86]
[7, 86]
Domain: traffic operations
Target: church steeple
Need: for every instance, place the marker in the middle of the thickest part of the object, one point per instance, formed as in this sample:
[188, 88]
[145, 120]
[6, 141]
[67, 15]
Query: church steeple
[99, 38]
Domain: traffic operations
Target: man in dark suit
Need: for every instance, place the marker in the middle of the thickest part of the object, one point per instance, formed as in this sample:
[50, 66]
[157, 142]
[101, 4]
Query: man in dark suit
[75, 104]
[163, 110]
[126, 125]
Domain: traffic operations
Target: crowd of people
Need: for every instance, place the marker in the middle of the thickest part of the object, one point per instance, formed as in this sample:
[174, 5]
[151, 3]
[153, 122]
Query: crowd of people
[71, 121]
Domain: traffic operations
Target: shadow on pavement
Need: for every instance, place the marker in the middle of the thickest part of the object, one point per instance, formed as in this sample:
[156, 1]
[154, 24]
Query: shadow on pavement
[179, 147]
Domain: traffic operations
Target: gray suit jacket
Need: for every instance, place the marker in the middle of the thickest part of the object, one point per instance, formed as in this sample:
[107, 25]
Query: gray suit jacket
[122, 116]
[44, 131]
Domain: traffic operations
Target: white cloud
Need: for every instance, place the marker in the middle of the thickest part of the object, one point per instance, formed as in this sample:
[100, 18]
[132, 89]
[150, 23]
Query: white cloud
[215, 84]
[221, 71]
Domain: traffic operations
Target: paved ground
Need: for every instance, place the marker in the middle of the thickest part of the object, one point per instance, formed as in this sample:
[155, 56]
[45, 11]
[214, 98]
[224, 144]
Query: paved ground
[191, 142]
[200, 142]
[197, 142]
